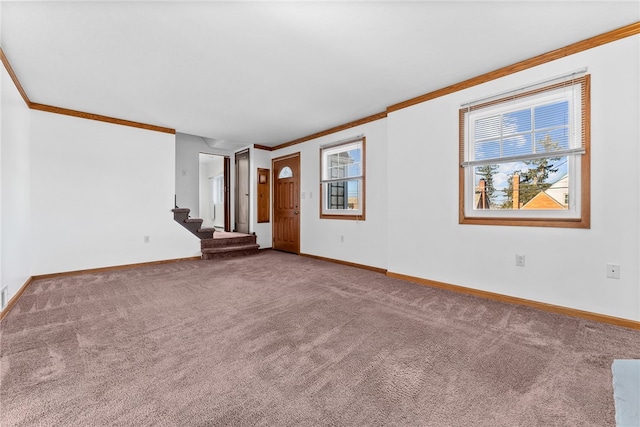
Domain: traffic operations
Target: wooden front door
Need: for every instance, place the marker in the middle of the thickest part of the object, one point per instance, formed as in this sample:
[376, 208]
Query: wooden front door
[286, 203]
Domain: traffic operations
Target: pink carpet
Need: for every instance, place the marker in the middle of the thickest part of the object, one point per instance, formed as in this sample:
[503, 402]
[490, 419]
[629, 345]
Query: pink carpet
[281, 340]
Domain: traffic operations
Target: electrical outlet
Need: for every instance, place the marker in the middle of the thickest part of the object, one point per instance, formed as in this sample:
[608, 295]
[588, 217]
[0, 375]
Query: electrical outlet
[4, 298]
[613, 271]
[147, 239]
[519, 260]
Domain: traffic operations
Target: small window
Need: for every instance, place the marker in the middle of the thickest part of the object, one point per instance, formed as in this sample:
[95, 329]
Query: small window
[342, 177]
[285, 172]
[525, 157]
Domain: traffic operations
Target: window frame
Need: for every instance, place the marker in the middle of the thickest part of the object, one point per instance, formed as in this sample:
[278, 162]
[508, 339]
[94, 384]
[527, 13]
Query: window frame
[345, 214]
[579, 218]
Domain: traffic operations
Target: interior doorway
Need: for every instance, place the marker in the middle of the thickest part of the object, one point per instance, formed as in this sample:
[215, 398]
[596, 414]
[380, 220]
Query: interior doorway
[286, 203]
[214, 191]
[242, 192]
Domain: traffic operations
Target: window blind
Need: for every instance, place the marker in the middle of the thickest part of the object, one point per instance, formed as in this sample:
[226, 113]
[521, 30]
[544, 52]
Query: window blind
[342, 160]
[537, 121]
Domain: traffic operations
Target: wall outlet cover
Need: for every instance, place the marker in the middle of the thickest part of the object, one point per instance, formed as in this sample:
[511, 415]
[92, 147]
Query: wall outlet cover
[613, 271]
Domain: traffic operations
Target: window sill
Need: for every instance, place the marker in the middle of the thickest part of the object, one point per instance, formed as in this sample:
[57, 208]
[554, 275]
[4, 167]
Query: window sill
[584, 222]
[350, 217]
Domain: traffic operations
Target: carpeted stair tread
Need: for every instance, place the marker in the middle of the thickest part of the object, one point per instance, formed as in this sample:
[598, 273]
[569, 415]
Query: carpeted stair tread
[193, 220]
[206, 230]
[181, 210]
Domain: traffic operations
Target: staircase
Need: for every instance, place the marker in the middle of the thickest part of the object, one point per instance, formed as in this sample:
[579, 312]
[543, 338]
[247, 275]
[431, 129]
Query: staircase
[216, 244]
[194, 225]
[225, 245]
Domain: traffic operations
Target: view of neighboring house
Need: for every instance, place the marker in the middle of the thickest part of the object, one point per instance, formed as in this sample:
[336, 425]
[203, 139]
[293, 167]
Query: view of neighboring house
[554, 197]
[338, 192]
[481, 197]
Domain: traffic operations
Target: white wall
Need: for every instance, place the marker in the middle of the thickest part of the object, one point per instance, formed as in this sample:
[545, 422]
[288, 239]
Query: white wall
[188, 148]
[15, 206]
[563, 266]
[79, 194]
[96, 190]
[365, 242]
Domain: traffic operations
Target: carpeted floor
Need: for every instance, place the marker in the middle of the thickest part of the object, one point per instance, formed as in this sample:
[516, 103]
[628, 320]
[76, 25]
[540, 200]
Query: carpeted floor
[277, 340]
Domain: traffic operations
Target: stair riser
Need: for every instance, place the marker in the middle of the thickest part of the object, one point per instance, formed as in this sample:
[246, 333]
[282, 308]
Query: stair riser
[202, 235]
[180, 216]
[233, 254]
[192, 226]
[233, 241]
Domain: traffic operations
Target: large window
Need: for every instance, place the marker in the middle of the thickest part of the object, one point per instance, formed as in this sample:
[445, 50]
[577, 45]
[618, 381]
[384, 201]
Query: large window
[342, 180]
[524, 156]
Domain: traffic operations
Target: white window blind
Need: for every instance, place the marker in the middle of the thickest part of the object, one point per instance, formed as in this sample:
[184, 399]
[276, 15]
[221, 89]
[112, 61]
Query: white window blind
[343, 161]
[533, 122]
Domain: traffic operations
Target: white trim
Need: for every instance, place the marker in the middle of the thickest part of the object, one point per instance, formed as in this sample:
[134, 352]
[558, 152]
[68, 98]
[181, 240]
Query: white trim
[559, 153]
[343, 141]
[326, 196]
[344, 146]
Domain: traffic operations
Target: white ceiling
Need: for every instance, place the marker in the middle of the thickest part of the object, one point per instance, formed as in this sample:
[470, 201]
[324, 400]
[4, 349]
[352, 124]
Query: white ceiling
[269, 72]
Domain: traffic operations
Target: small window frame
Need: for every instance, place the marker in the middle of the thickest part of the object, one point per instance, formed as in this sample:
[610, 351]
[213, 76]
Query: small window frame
[345, 214]
[580, 217]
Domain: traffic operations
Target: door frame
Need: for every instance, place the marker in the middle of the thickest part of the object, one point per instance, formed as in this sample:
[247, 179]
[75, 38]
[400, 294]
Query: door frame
[273, 195]
[227, 193]
[226, 166]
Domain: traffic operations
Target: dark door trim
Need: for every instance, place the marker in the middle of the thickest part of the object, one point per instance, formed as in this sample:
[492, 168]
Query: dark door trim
[227, 193]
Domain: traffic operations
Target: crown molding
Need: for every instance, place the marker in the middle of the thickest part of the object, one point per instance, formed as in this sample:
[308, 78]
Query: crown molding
[349, 125]
[608, 37]
[572, 49]
[13, 76]
[74, 113]
[98, 117]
